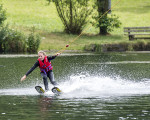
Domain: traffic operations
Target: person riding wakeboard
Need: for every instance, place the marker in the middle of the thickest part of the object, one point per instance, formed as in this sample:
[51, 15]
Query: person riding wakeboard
[44, 63]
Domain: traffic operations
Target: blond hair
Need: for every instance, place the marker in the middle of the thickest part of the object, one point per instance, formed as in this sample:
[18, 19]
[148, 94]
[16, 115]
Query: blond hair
[41, 51]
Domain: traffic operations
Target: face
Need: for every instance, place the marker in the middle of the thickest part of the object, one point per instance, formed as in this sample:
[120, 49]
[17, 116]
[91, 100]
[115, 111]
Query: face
[41, 56]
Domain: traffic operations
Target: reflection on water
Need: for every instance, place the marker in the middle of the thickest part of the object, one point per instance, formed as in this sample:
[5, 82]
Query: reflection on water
[42, 107]
[112, 87]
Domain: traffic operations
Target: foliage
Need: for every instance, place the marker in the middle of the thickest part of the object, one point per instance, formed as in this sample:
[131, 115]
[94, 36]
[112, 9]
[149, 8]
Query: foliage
[140, 45]
[90, 47]
[109, 22]
[33, 42]
[2, 14]
[105, 22]
[94, 48]
[73, 14]
[50, 26]
[12, 41]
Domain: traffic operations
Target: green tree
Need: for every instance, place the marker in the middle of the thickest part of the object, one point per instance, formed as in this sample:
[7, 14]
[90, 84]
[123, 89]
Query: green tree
[2, 19]
[106, 23]
[73, 13]
[33, 42]
[12, 41]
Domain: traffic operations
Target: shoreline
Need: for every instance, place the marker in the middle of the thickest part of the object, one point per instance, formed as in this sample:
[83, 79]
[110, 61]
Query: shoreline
[70, 53]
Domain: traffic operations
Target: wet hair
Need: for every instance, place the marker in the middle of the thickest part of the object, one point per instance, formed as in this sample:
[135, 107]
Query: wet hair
[41, 51]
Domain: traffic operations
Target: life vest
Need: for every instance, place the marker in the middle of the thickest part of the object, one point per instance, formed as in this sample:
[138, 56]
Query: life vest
[46, 66]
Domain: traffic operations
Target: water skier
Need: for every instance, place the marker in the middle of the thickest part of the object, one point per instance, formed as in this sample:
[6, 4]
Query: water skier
[44, 63]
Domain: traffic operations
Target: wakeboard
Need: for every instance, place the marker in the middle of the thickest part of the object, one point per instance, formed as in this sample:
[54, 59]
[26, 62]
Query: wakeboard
[55, 90]
[39, 89]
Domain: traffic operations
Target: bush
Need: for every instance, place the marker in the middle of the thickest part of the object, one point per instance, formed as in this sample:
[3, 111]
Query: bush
[106, 23]
[140, 46]
[99, 48]
[94, 48]
[90, 47]
[3, 34]
[12, 41]
[73, 13]
[33, 42]
[123, 46]
[2, 14]
[148, 46]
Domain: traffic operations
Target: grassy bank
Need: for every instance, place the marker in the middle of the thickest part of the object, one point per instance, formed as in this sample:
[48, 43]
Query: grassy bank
[24, 14]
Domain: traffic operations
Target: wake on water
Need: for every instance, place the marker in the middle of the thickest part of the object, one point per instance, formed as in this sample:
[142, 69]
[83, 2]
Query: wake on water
[81, 86]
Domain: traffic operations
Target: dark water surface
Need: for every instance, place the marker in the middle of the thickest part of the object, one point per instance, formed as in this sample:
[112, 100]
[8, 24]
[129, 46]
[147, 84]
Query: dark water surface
[95, 87]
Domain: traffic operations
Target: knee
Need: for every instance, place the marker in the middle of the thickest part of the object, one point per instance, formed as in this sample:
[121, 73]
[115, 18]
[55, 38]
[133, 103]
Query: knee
[44, 77]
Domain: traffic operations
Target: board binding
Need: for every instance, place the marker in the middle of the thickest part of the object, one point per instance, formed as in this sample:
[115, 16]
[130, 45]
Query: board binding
[39, 89]
[55, 90]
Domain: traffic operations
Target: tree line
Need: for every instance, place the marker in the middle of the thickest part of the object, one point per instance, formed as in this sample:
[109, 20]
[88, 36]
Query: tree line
[75, 14]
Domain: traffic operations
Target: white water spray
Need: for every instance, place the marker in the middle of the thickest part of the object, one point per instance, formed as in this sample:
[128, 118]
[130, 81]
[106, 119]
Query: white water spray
[83, 86]
[89, 86]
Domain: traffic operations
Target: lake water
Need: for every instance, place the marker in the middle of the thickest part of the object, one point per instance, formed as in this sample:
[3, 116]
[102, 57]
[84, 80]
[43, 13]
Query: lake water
[95, 87]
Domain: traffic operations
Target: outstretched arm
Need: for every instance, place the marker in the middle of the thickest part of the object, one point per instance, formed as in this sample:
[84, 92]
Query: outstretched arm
[53, 57]
[31, 69]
